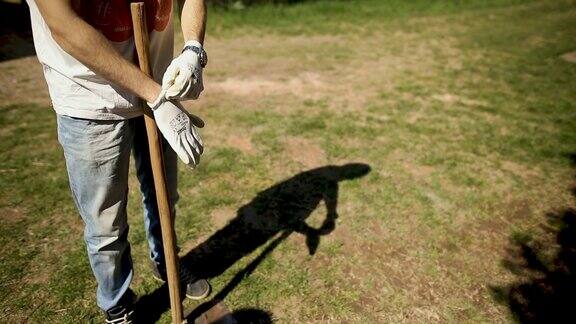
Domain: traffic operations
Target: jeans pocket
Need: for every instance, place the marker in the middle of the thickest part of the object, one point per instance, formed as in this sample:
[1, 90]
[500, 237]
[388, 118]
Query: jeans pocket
[96, 141]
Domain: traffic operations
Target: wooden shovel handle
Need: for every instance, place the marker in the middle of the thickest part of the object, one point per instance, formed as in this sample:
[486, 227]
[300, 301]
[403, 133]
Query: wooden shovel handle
[155, 144]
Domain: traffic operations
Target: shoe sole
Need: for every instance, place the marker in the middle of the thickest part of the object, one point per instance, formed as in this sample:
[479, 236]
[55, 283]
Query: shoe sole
[206, 294]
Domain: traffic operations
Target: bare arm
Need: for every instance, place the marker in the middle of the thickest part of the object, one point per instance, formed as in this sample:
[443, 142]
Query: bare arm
[193, 18]
[87, 45]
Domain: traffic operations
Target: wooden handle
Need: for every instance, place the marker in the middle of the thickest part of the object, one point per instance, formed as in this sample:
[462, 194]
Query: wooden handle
[154, 142]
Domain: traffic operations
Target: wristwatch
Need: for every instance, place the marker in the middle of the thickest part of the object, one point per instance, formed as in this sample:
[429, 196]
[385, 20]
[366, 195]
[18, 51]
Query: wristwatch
[201, 54]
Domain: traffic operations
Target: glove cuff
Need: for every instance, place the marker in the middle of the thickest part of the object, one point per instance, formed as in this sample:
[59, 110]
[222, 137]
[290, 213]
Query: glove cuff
[160, 100]
[193, 43]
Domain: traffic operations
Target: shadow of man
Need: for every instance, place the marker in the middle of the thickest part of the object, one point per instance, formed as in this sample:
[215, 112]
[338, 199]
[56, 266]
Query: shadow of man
[273, 215]
[284, 208]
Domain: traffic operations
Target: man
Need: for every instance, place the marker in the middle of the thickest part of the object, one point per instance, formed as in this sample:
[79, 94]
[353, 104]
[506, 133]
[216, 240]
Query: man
[86, 49]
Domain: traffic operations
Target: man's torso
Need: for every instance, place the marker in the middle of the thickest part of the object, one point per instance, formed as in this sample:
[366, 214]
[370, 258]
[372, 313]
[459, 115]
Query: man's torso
[77, 91]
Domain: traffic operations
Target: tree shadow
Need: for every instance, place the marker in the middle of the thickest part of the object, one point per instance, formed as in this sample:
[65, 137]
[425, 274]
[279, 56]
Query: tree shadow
[15, 31]
[269, 219]
[546, 269]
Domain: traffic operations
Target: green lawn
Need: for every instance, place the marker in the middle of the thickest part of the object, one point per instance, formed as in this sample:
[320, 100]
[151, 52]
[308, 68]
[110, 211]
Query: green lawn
[463, 111]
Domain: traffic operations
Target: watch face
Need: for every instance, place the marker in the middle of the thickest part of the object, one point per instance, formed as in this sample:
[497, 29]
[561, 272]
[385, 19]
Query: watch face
[203, 58]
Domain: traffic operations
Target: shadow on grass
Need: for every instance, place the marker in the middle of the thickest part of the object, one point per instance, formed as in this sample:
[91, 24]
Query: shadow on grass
[271, 217]
[546, 269]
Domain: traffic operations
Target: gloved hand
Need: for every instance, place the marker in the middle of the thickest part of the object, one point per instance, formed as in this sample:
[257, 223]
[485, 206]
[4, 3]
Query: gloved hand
[175, 125]
[183, 77]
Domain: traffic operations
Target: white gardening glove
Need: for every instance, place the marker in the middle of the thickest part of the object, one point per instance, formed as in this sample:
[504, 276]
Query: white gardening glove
[183, 77]
[175, 125]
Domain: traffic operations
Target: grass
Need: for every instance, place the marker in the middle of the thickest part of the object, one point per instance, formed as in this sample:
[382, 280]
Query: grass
[462, 109]
[330, 16]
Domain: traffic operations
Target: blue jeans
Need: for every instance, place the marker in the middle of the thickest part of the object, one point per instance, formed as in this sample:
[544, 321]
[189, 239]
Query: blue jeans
[97, 156]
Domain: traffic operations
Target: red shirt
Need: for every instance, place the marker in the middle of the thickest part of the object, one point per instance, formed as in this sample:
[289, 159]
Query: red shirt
[112, 17]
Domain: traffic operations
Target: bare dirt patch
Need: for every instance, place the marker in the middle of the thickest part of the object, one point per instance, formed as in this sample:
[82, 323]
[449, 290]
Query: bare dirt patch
[418, 170]
[569, 57]
[304, 82]
[22, 82]
[221, 216]
[11, 215]
[451, 99]
[241, 142]
[305, 152]
[520, 170]
[222, 136]
[287, 308]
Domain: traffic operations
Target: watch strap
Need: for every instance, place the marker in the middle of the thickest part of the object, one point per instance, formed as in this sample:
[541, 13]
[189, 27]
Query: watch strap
[199, 51]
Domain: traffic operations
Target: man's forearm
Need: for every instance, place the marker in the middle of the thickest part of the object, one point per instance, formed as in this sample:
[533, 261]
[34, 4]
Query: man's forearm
[92, 49]
[193, 19]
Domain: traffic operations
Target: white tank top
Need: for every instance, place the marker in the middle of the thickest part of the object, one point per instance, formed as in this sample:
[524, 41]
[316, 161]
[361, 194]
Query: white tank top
[75, 90]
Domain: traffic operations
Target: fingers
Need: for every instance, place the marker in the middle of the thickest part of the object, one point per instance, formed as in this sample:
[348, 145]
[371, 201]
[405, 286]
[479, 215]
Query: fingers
[186, 85]
[190, 150]
[169, 76]
[174, 124]
[196, 139]
[196, 121]
[182, 76]
[181, 152]
[181, 80]
[182, 89]
[196, 148]
[173, 93]
[190, 146]
[178, 91]
[183, 93]
[175, 79]
[196, 135]
[198, 86]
